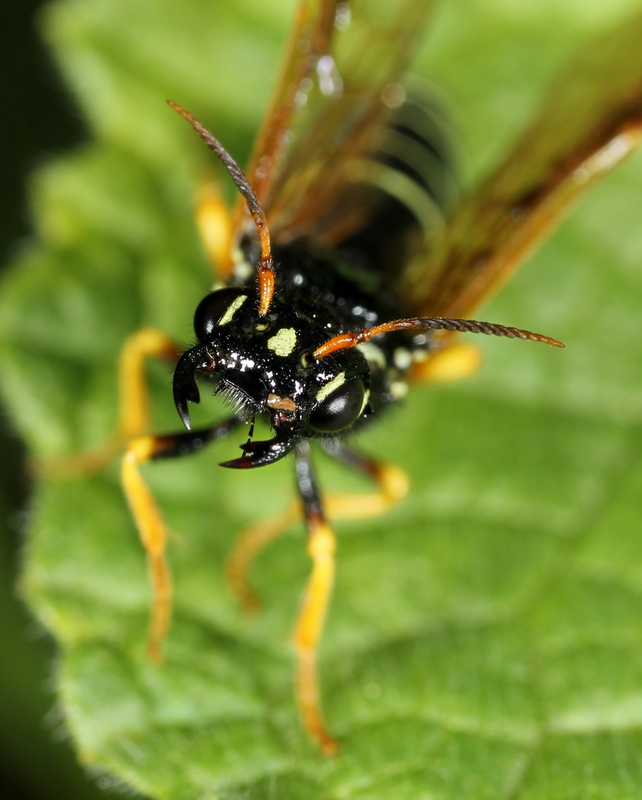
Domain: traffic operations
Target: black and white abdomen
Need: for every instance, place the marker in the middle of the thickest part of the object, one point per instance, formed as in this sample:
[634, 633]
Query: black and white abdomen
[410, 182]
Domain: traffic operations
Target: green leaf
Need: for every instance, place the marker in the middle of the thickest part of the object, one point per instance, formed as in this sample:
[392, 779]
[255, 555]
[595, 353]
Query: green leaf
[485, 638]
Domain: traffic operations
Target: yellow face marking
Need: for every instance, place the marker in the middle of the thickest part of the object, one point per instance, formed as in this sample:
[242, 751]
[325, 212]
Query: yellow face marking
[283, 342]
[232, 309]
[330, 386]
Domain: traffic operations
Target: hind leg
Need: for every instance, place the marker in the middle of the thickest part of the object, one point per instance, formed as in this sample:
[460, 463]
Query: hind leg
[452, 363]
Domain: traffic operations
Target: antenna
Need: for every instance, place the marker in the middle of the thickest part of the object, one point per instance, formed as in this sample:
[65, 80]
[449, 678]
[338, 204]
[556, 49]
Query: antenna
[265, 273]
[345, 340]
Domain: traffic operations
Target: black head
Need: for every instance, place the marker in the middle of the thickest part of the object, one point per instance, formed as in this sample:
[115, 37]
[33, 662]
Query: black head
[265, 365]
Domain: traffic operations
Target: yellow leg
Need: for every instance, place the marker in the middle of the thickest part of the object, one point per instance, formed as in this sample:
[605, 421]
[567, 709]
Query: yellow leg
[308, 630]
[393, 487]
[133, 416]
[133, 410]
[252, 541]
[153, 534]
[454, 362]
[214, 223]
[151, 527]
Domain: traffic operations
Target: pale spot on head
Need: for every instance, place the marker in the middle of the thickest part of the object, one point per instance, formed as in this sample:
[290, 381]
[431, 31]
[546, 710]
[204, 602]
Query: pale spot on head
[330, 387]
[232, 309]
[283, 342]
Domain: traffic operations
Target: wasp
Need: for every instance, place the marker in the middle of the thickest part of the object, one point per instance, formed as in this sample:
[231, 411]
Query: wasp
[342, 277]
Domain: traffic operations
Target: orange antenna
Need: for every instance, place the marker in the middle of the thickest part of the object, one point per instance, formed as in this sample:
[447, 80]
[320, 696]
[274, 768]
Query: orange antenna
[345, 340]
[265, 272]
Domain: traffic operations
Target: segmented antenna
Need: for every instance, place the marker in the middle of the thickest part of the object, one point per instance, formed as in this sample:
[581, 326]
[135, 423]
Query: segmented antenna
[345, 340]
[265, 273]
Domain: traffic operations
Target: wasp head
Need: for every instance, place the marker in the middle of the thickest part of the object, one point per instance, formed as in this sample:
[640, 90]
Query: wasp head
[265, 365]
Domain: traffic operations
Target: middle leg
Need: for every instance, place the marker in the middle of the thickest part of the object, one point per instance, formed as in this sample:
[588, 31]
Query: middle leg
[392, 486]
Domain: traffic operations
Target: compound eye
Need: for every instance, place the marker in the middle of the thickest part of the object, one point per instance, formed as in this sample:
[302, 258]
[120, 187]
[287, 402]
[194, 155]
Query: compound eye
[340, 408]
[217, 308]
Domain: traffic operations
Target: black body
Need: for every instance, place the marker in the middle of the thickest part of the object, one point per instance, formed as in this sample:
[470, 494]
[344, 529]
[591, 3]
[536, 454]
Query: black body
[264, 363]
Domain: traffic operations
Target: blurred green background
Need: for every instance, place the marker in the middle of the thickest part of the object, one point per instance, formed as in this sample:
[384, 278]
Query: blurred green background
[40, 120]
[34, 764]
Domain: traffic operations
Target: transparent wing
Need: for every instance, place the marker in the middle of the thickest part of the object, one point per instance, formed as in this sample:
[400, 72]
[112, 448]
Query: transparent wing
[590, 120]
[336, 86]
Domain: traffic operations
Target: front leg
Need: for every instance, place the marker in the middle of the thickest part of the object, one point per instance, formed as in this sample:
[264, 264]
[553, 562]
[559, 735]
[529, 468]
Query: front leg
[309, 626]
[392, 486]
[148, 518]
